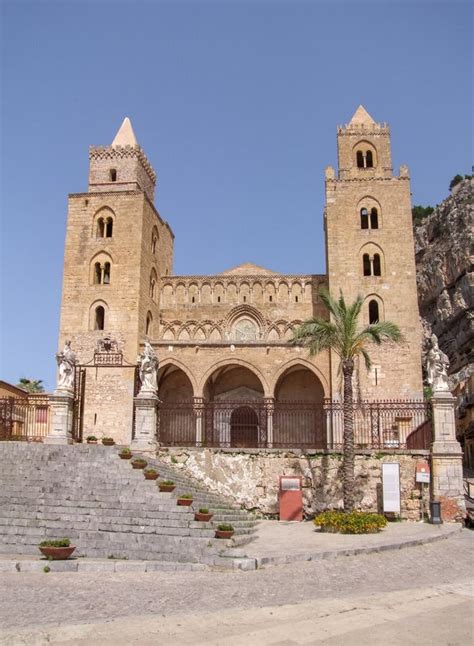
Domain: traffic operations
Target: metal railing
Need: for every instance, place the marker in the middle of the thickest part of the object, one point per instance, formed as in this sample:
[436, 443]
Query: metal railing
[25, 418]
[268, 424]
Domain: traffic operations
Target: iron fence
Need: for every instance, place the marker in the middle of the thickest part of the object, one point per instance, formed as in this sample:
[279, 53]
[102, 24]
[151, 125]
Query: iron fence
[25, 418]
[268, 424]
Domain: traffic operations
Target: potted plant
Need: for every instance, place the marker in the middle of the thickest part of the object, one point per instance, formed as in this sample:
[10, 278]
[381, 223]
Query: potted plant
[203, 515]
[125, 454]
[166, 485]
[91, 439]
[224, 530]
[150, 474]
[139, 463]
[185, 499]
[57, 550]
[108, 441]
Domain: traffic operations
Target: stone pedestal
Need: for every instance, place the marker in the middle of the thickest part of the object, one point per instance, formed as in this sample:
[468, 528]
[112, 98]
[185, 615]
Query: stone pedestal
[61, 427]
[447, 484]
[146, 407]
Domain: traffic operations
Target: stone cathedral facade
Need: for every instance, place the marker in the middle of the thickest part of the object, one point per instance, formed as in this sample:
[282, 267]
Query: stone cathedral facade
[225, 338]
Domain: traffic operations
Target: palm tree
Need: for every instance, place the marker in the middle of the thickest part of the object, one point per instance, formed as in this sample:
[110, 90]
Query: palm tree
[342, 335]
[31, 385]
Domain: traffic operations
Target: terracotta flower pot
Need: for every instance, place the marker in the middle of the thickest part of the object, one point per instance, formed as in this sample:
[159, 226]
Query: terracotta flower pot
[57, 553]
[125, 456]
[108, 442]
[151, 476]
[204, 518]
[91, 441]
[185, 502]
[138, 465]
[220, 533]
[167, 488]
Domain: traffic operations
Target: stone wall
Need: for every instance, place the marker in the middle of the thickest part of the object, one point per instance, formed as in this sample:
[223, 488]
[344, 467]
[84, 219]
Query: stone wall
[250, 478]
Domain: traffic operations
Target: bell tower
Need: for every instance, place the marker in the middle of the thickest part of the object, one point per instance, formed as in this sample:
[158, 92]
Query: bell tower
[117, 248]
[370, 251]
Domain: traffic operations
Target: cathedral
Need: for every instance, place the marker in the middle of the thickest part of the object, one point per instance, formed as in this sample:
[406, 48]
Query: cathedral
[223, 341]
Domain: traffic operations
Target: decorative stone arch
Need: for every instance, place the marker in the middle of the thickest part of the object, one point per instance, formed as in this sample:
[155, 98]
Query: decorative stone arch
[232, 362]
[273, 333]
[100, 268]
[153, 285]
[103, 222]
[168, 294]
[370, 204]
[242, 312]
[302, 363]
[168, 333]
[366, 151]
[171, 361]
[206, 293]
[215, 334]
[92, 323]
[194, 295]
[367, 308]
[368, 253]
[283, 291]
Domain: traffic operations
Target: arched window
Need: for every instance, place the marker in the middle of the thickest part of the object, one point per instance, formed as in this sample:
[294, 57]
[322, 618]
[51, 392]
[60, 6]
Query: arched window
[149, 324]
[377, 265]
[369, 160]
[106, 274]
[100, 228]
[154, 240]
[99, 318]
[366, 264]
[373, 312]
[153, 282]
[109, 225]
[374, 218]
[360, 159]
[97, 274]
[364, 219]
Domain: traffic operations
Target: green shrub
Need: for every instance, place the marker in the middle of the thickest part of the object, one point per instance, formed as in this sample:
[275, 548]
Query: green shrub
[139, 461]
[150, 471]
[46, 569]
[187, 496]
[455, 181]
[356, 522]
[166, 482]
[203, 510]
[62, 542]
[225, 527]
[125, 451]
[91, 438]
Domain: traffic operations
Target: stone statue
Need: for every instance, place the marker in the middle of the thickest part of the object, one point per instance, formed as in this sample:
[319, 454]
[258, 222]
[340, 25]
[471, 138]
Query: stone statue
[437, 364]
[66, 365]
[148, 369]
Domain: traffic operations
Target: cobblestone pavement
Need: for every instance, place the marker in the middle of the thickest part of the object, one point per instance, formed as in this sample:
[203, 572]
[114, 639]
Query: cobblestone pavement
[44, 600]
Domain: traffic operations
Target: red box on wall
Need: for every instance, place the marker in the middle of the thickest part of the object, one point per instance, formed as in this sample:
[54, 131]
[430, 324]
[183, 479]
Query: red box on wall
[290, 496]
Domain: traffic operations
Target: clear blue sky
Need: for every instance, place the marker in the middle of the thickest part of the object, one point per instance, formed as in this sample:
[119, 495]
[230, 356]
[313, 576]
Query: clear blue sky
[236, 105]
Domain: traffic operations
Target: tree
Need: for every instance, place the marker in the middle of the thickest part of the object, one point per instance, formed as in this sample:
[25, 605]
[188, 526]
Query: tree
[455, 181]
[31, 385]
[342, 335]
[419, 213]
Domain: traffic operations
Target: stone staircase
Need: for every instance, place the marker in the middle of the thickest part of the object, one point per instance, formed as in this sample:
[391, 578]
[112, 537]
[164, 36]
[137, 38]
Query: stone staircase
[107, 508]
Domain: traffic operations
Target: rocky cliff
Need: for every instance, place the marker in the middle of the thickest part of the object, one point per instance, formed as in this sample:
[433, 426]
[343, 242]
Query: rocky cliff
[444, 260]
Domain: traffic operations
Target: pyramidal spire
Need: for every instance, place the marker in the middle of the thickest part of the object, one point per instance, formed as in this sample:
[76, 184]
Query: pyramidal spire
[125, 135]
[361, 117]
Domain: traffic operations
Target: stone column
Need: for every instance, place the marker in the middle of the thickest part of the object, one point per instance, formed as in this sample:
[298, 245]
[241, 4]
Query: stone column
[270, 408]
[447, 486]
[61, 401]
[146, 409]
[198, 408]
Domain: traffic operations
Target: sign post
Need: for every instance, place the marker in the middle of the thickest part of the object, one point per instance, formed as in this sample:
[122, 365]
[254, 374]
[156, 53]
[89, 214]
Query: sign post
[423, 476]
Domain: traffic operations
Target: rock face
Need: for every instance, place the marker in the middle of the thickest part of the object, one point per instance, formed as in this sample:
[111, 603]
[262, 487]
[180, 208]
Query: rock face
[445, 278]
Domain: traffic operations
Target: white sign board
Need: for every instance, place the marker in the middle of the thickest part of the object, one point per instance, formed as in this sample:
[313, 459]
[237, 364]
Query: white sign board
[391, 486]
[290, 484]
[423, 476]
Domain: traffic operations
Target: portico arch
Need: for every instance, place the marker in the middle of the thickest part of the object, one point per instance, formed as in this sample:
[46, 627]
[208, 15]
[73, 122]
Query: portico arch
[228, 363]
[170, 373]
